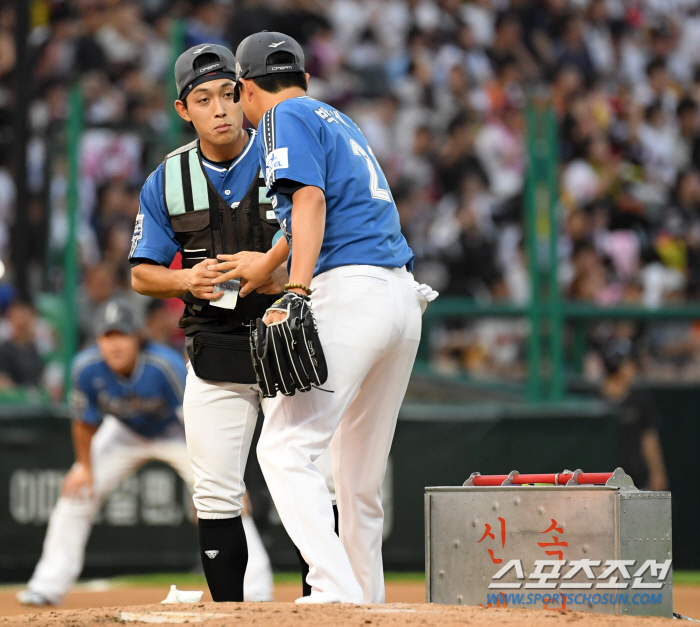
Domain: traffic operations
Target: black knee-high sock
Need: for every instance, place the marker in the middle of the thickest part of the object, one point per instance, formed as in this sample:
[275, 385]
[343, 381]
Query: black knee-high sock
[306, 588]
[224, 554]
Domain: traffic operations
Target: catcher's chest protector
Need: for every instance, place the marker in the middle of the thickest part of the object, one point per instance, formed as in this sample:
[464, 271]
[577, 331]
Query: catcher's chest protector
[206, 225]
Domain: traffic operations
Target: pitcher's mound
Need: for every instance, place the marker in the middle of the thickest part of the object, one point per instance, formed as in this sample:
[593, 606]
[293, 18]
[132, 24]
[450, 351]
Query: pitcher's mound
[288, 614]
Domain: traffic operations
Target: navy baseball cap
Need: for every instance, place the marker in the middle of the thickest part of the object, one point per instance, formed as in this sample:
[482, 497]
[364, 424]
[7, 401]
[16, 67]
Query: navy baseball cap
[115, 315]
[212, 62]
[253, 52]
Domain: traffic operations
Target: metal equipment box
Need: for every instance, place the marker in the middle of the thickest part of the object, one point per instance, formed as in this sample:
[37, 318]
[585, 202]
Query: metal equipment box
[595, 548]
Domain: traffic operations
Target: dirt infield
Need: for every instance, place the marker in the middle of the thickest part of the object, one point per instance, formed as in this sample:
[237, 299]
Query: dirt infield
[143, 595]
[139, 605]
[287, 614]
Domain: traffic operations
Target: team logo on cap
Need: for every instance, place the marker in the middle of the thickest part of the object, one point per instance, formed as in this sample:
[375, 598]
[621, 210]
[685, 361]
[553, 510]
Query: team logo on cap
[112, 313]
[207, 68]
[279, 43]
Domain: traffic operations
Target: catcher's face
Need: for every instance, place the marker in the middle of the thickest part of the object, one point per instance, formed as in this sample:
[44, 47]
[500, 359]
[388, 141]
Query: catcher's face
[210, 108]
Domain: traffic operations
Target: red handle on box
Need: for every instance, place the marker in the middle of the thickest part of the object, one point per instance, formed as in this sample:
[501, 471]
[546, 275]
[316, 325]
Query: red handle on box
[584, 478]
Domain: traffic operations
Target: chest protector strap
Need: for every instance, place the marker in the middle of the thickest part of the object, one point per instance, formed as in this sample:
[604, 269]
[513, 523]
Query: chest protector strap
[185, 183]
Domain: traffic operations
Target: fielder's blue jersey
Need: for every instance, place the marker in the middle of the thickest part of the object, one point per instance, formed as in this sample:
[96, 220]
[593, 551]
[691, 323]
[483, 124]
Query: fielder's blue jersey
[153, 235]
[308, 142]
[148, 402]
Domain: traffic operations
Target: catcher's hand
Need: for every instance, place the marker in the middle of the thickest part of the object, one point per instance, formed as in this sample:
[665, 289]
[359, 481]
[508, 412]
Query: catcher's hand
[287, 354]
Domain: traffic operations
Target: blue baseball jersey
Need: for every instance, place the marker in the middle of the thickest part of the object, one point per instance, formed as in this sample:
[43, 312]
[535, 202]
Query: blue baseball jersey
[154, 238]
[148, 402]
[307, 142]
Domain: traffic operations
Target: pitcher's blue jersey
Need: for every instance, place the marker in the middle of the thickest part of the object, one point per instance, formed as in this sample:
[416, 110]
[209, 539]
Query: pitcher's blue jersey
[307, 142]
[148, 402]
[154, 238]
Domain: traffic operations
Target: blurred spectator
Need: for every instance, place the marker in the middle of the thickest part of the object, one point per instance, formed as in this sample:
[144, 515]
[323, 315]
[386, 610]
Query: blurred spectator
[207, 23]
[124, 36]
[687, 142]
[572, 47]
[7, 201]
[508, 44]
[248, 17]
[457, 157]
[439, 87]
[639, 448]
[21, 364]
[499, 146]
[100, 286]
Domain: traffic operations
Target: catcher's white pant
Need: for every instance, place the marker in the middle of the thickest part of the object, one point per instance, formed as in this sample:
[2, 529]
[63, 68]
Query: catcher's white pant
[219, 422]
[116, 453]
[369, 321]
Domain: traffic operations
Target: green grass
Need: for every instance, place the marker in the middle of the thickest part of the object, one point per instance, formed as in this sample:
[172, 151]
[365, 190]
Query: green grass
[160, 579]
[687, 577]
[405, 577]
[167, 579]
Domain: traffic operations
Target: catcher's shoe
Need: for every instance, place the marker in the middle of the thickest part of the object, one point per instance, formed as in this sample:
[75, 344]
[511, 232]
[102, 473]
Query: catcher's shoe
[27, 597]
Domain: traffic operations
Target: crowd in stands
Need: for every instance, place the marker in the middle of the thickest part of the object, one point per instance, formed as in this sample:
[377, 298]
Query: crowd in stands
[439, 88]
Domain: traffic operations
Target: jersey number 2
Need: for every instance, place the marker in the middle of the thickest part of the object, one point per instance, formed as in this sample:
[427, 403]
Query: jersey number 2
[374, 189]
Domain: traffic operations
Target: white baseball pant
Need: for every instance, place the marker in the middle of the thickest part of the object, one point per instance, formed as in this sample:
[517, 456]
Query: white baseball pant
[220, 420]
[116, 453]
[369, 321]
[257, 583]
[219, 424]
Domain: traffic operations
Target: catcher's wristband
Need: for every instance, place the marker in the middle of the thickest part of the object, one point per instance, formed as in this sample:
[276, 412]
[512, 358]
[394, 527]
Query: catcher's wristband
[299, 286]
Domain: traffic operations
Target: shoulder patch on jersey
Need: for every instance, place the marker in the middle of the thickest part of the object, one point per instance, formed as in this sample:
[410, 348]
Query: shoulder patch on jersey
[275, 160]
[138, 234]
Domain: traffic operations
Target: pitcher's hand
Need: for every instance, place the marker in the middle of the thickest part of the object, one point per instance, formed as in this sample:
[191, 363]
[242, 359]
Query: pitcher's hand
[248, 266]
[275, 282]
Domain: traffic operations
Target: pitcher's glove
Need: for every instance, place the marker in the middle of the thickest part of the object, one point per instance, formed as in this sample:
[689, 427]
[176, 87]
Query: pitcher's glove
[287, 355]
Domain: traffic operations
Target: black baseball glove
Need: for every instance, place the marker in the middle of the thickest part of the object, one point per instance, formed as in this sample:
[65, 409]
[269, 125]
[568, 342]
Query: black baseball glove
[287, 355]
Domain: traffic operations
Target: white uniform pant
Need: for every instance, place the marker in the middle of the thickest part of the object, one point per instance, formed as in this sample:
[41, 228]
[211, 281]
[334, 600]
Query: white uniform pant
[369, 321]
[219, 423]
[116, 453]
[220, 420]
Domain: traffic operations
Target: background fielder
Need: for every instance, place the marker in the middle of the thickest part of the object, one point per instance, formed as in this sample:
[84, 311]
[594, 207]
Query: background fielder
[126, 406]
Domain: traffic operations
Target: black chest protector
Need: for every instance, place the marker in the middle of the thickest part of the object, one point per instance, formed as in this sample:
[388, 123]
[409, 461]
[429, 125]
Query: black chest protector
[206, 225]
